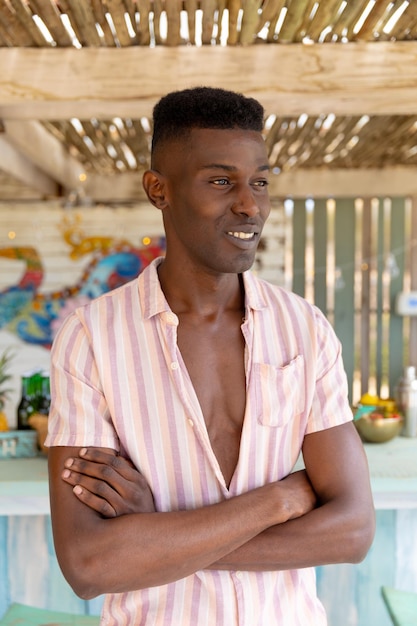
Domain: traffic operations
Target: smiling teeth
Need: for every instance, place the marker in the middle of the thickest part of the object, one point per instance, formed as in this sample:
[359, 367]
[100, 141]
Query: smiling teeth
[242, 235]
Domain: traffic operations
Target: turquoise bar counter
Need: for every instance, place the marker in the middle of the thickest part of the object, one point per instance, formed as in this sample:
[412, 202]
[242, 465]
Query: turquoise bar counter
[29, 572]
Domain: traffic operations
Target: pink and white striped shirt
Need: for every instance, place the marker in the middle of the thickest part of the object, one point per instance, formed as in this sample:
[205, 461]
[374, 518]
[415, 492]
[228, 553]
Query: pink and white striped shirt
[119, 381]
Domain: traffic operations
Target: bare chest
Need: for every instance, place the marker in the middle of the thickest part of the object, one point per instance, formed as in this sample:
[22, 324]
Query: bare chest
[214, 358]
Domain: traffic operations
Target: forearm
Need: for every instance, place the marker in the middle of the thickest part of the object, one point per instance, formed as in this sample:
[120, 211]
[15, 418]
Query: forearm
[339, 530]
[328, 534]
[147, 549]
[108, 507]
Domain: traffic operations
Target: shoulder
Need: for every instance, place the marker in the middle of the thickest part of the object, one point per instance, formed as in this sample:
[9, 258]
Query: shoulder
[277, 298]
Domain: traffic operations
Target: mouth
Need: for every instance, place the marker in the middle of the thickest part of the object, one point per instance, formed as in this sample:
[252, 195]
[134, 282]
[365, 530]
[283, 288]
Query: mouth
[241, 235]
[242, 239]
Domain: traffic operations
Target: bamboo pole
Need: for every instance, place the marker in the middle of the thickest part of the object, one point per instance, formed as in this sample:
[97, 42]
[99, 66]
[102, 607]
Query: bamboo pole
[17, 33]
[191, 8]
[25, 17]
[49, 14]
[234, 7]
[117, 11]
[377, 12]
[295, 14]
[208, 7]
[144, 7]
[250, 21]
[173, 11]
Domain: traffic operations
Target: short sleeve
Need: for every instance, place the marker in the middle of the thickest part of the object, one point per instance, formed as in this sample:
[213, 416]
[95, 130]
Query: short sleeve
[330, 405]
[79, 414]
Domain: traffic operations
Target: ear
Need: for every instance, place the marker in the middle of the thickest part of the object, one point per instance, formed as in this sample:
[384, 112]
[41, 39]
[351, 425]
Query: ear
[154, 186]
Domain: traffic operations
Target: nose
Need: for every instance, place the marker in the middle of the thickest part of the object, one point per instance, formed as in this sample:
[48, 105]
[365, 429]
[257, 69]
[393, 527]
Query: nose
[245, 203]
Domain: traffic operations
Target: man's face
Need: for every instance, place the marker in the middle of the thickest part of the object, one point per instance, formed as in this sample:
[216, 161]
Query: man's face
[216, 198]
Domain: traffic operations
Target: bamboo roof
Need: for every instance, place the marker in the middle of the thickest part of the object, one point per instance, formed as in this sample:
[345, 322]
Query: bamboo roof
[108, 146]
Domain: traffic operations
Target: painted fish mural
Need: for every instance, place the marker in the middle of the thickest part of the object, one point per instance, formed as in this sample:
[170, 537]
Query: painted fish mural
[35, 316]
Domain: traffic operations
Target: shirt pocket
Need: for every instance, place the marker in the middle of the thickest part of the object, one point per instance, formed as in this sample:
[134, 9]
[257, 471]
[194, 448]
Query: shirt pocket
[280, 392]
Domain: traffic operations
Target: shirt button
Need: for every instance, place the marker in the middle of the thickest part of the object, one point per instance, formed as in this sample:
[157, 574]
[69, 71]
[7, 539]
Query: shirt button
[174, 365]
[238, 575]
[191, 423]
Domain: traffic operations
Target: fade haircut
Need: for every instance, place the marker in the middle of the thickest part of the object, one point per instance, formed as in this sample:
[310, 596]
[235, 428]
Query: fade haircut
[177, 113]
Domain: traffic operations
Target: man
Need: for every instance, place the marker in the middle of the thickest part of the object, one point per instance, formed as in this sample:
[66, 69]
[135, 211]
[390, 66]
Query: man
[211, 382]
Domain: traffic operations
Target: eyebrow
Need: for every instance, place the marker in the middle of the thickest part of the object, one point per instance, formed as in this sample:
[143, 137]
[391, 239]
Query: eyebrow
[232, 168]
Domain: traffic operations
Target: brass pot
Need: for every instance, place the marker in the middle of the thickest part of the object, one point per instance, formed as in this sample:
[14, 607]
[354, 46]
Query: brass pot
[380, 429]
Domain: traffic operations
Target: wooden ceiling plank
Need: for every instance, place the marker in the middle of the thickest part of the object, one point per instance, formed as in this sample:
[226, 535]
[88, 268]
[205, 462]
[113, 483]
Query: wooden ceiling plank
[40, 147]
[299, 183]
[48, 13]
[14, 190]
[17, 165]
[339, 183]
[373, 78]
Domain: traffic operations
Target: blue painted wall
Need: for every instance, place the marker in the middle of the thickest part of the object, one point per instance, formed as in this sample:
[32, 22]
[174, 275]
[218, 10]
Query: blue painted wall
[29, 572]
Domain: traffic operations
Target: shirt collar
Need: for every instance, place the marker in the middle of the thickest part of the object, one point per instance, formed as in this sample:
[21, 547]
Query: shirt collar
[155, 302]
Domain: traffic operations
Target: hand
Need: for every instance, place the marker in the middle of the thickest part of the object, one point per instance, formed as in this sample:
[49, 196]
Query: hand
[107, 483]
[301, 498]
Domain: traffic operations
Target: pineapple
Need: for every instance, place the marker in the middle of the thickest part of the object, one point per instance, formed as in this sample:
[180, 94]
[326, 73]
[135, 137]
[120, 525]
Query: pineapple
[5, 359]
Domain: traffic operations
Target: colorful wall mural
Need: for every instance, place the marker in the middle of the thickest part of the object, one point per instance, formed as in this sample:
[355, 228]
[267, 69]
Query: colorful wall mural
[35, 316]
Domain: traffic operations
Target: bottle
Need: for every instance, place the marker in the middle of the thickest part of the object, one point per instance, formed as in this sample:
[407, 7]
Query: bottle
[36, 389]
[44, 399]
[26, 406]
[406, 395]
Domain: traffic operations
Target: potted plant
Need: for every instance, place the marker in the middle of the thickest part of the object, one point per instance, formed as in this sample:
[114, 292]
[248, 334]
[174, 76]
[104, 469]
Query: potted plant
[5, 377]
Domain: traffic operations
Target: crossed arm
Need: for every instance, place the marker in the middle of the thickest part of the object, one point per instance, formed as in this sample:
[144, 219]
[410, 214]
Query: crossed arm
[109, 538]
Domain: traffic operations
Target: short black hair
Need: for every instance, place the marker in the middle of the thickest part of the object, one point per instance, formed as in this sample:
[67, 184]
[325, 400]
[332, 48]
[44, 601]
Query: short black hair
[204, 107]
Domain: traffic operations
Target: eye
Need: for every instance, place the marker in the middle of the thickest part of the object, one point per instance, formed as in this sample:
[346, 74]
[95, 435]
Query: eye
[261, 183]
[221, 182]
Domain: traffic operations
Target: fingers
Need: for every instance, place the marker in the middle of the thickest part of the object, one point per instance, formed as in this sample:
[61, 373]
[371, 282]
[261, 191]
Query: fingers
[94, 502]
[114, 470]
[109, 484]
[96, 493]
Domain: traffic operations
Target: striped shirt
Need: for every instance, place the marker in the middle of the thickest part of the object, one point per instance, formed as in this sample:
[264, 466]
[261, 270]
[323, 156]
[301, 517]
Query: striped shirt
[119, 381]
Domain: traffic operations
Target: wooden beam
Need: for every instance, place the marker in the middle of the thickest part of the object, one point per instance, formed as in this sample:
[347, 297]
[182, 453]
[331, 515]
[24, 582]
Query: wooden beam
[300, 183]
[21, 168]
[320, 183]
[45, 151]
[345, 79]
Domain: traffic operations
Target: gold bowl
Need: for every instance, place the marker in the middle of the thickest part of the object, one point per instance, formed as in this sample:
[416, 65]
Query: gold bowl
[380, 429]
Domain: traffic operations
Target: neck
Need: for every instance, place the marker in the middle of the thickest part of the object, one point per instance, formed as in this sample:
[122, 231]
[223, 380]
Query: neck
[203, 295]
